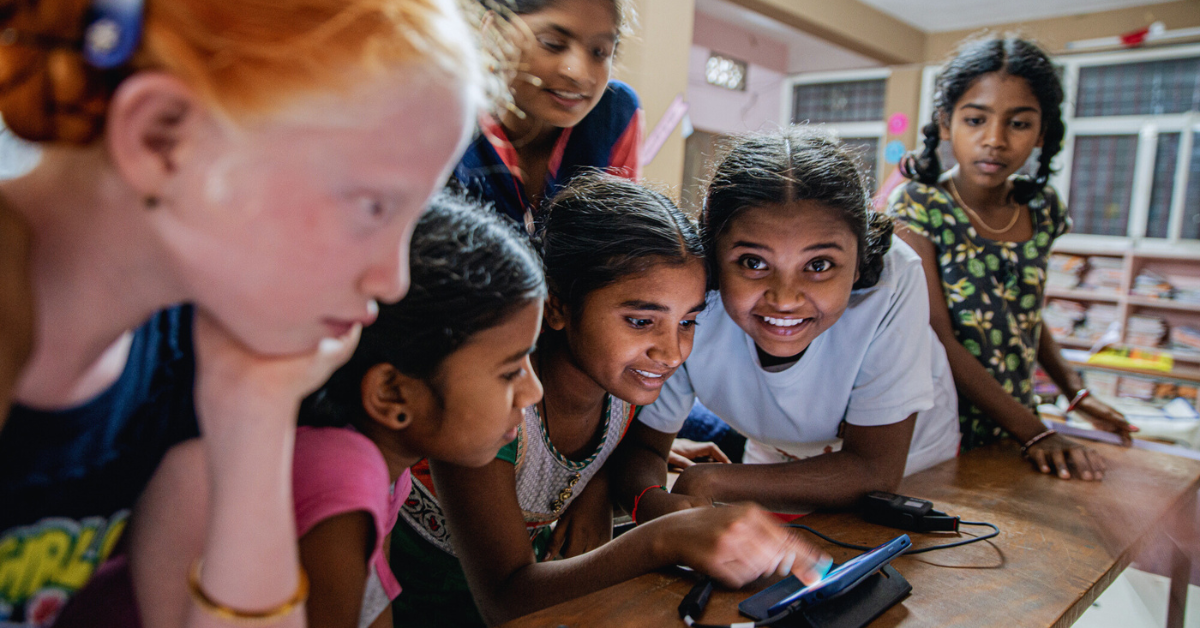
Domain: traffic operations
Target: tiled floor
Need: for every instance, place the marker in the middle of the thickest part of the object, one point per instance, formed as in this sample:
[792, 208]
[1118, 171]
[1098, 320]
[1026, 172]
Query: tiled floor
[1138, 599]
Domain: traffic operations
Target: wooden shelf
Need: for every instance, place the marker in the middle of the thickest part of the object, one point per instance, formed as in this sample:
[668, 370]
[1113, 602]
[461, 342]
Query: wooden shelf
[1074, 343]
[1083, 295]
[1185, 375]
[1163, 304]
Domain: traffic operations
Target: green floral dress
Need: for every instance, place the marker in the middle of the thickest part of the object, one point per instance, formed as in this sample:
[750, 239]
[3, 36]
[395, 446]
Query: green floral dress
[994, 290]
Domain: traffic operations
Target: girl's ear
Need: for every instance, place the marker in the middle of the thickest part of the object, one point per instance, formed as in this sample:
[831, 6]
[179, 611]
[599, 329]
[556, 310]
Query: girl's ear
[388, 396]
[153, 124]
[555, 315]
[943, 126]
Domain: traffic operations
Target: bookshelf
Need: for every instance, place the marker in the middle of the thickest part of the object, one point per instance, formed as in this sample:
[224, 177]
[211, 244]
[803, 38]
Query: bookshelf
[1135, 314]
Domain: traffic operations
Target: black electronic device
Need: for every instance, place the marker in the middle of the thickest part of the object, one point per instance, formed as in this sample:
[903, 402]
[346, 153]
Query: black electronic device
[905, 513]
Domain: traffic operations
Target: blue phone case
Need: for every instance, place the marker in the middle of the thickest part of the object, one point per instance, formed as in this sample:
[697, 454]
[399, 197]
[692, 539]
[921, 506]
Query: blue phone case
[790, 591]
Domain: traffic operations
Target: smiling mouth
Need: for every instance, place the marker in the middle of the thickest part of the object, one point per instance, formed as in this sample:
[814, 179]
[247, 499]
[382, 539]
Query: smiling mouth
[648, 374]
[570, 96]
[784, 322]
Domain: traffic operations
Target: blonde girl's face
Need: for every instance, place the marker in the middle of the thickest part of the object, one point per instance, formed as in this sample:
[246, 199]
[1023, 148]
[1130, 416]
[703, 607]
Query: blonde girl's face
[631, 336]
[571, 54]
[482, 392]
[786, 272]
[288, 231]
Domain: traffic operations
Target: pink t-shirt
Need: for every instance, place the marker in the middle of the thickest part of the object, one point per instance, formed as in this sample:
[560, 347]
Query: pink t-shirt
[336, 471]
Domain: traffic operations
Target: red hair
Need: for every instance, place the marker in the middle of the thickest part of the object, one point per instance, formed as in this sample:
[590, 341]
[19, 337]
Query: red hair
[241, 56]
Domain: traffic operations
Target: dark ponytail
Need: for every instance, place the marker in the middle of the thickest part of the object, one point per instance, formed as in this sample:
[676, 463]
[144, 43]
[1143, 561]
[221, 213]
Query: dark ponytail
[601, 228]
[795, 164]
[975, 58]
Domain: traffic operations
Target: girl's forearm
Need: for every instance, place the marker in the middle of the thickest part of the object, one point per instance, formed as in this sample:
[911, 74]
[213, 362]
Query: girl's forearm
[250, 556]
[982, 389]
[1060, 371]
[541, 585]
[835, 479]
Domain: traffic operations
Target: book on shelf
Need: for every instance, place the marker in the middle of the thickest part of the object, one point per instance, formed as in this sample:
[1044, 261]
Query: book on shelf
[1133, 358]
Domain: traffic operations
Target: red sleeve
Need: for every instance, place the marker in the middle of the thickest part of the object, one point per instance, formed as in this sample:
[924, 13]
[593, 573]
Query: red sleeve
[626, 158]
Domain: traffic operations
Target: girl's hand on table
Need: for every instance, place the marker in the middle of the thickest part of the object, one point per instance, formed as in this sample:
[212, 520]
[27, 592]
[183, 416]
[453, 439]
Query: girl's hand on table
[685, 453]
[1057, 453]
[740, 543]
[1105, 417]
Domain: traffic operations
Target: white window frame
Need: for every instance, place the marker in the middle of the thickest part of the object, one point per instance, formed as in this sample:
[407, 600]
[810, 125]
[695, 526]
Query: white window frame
[872, 129]
[1146, 127]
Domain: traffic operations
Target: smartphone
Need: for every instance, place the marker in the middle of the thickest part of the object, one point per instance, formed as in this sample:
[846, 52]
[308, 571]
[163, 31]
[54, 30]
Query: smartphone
[790, 591]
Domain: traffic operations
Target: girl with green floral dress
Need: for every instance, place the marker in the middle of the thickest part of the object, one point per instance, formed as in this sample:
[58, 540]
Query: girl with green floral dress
[985, 235]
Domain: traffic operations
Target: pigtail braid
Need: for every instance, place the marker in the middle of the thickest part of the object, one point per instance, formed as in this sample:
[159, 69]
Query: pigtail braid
[924, 166]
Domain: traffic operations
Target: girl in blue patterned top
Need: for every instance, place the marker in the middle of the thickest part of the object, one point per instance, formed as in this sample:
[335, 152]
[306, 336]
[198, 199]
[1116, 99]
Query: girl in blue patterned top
[984, 236]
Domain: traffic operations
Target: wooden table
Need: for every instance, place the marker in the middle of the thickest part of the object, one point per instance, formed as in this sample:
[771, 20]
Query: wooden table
[1061, 544]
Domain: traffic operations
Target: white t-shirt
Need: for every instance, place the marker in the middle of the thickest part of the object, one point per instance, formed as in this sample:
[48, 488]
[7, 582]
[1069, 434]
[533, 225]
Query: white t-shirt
[879, 363]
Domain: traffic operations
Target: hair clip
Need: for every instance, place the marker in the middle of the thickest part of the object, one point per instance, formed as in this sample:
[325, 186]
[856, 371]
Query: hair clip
[112, 31]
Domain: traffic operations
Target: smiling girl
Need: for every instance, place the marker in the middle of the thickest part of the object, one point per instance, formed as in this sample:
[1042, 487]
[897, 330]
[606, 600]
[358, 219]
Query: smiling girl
[816, 346]
[626, 276]
[566, 115]
[984, 235]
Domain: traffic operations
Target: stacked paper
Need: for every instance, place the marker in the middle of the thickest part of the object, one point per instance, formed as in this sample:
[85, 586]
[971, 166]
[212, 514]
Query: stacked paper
[1145, 331]
[1103, 274]
[1187, 289]
[1062, 317]
[1151, 284]
[1063, 271]
[1185, 339]
[1098, 320]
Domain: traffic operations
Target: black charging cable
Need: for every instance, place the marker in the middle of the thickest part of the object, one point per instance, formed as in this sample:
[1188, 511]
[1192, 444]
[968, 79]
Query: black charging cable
[912, 550]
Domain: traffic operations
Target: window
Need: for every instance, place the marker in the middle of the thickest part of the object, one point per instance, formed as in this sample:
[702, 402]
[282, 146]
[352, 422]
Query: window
[848, 104]
[725, 72]
[845, 101]
[1128, 168]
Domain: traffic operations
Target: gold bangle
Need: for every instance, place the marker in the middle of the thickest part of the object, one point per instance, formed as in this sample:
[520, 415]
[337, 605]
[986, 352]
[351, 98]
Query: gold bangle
[217, 609]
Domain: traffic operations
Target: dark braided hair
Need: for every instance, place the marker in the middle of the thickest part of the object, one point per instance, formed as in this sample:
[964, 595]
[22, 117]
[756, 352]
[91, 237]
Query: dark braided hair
[471, 270]
[795, 164]
[601, 228]
[1012, 56]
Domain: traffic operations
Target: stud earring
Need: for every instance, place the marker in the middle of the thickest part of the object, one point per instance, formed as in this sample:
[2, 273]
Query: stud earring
[150, 201]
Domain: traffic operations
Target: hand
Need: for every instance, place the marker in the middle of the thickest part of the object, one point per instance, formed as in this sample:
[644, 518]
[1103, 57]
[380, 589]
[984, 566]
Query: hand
[685, 453]
[1057, 452]
[235, 385]
[587, 522]
[1105, 418]
[740, 543]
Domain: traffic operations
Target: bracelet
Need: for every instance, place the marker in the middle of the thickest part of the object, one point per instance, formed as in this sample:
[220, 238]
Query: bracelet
[1035, 440]
[638, 499]
[217, 609]
[1079, 396]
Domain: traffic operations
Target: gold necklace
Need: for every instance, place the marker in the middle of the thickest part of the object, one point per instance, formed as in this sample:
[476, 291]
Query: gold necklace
[958, 199]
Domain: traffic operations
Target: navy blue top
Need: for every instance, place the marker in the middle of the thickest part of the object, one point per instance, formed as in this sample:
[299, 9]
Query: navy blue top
[68, 478]
[608, 137]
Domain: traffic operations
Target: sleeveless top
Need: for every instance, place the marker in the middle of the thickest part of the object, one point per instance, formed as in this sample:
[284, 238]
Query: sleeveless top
[547, 481]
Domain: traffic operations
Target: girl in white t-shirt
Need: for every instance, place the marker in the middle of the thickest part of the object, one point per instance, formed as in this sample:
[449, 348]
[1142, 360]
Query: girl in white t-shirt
[816, 345]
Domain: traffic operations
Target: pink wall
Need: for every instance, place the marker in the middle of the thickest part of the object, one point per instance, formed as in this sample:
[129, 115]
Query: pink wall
[719, 110]
[739, 43]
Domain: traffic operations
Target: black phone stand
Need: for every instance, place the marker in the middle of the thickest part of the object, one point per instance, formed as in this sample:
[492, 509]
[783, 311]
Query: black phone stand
[858, 606]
